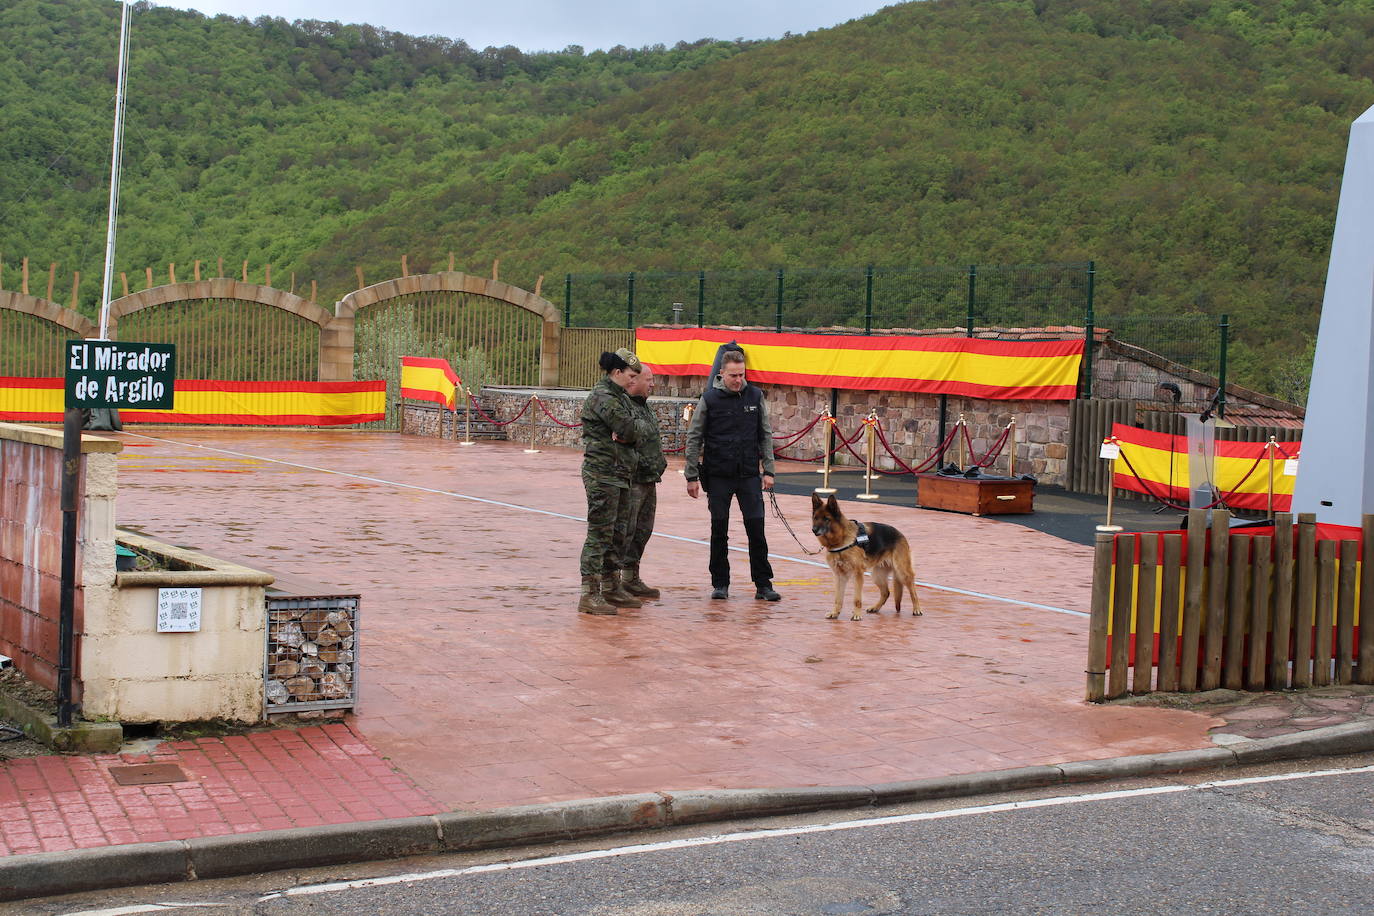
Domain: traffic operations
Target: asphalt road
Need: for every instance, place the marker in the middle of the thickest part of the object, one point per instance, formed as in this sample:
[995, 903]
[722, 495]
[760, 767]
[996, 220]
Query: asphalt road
[1292, 838]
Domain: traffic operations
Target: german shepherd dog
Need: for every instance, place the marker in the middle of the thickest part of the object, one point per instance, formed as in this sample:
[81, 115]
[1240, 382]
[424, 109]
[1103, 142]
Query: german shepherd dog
[851, 548]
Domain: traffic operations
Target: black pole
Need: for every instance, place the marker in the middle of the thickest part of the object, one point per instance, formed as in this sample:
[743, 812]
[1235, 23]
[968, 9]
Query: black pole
[868, 300]
[71, 476]
[1089, 334]
[630, 302]
[567, 300]
[779, 316]
[701, 298]
[1221, 379]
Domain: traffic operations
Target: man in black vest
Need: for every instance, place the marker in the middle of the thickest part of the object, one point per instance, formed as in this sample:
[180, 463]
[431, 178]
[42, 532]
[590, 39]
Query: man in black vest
[728, 443]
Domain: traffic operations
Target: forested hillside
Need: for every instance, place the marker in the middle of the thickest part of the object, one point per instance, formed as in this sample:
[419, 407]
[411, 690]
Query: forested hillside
[1192, 148]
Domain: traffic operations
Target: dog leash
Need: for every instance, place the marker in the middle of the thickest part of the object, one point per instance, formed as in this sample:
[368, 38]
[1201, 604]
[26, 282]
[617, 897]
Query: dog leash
[773, 497]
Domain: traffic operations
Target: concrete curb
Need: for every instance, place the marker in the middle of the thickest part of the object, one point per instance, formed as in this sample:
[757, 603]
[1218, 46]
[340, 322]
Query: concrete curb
[48, 873]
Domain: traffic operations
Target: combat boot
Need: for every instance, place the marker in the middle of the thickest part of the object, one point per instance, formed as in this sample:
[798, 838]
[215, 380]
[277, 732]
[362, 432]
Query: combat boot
[592, 602]
[615, 593]
[635, 585]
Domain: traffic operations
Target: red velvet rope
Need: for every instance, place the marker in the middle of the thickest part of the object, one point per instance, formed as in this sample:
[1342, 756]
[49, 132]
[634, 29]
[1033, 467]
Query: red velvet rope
[490, 419]
[1219, 501]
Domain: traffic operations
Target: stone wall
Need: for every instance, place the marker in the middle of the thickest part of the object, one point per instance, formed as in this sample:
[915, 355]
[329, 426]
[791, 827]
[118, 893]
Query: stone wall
[31, 545]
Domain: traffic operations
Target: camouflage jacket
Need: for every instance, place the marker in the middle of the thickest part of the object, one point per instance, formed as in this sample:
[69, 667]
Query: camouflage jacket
[608, 409]
[649, 447]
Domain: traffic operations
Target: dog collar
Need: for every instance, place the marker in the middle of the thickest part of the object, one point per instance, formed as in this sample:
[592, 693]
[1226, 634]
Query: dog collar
[860, 540]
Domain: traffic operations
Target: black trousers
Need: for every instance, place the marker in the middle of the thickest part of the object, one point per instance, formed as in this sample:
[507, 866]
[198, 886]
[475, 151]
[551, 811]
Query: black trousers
[748, 492]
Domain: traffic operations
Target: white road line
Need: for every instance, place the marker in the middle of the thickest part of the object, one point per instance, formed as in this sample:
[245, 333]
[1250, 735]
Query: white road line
[748, 835]
[582, 518]
[141, 908]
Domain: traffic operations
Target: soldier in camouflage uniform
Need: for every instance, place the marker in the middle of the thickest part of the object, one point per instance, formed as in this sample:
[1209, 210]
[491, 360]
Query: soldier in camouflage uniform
[644, 484]
[609, 434]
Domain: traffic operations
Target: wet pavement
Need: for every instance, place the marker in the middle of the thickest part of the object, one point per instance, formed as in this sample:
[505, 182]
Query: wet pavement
[481, 687]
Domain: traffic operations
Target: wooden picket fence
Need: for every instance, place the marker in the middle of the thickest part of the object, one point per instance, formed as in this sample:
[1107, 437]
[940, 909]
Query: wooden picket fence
[1220, 607]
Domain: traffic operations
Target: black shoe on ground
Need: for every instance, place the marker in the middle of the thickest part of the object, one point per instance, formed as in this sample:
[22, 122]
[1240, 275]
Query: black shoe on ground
[721, 592]
[766, 593]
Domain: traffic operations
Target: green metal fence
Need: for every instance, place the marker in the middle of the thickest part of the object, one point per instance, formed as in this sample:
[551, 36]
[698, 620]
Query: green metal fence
[860, 297]
[956, 299]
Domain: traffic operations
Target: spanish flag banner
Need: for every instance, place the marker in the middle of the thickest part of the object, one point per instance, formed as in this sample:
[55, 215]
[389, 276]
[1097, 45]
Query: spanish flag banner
[427, 379]
[212, 402]
[32, 400]
[966, 366]
[1157, 464]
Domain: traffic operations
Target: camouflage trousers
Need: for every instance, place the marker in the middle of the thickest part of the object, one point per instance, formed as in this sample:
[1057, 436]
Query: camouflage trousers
[608, 520]
[643, 508]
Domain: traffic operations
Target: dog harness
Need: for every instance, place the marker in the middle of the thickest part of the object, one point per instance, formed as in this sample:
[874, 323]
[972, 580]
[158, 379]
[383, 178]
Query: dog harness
[860, 540]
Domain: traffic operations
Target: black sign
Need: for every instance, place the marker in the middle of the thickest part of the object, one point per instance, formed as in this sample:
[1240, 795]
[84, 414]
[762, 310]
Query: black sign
[108, 373]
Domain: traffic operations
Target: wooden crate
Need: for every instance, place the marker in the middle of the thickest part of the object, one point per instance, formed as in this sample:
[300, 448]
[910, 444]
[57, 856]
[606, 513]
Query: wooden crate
[975, 495]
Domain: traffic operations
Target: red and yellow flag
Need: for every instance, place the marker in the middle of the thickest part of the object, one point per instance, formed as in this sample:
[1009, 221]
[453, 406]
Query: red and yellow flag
[426, 379]
[965, 366]
[1157, 464]
[214, 402]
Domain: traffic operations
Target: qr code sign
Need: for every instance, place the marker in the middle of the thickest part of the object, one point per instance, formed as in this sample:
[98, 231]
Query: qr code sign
[178, 610]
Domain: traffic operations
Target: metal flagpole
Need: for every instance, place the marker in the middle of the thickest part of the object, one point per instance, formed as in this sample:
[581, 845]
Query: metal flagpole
[115, 159]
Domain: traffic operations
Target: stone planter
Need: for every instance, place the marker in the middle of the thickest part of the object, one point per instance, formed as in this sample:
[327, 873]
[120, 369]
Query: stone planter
[135, 674]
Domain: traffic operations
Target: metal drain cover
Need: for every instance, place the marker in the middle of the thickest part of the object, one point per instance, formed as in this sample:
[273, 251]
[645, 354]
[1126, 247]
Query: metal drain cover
[148, 774]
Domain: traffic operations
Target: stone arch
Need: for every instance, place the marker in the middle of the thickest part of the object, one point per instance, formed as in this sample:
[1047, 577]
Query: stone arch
[227, 288]
[346, 309]
[43, 352]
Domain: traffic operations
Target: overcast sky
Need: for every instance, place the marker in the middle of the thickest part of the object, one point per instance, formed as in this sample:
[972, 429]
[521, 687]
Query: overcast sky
[552, 25]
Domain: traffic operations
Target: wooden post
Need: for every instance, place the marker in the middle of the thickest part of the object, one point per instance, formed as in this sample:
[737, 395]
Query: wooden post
[1262, 569]
[172, 273]
[359, 271]
[1306, 599]
[1192, 601]
[24, 276]
[1215, 625]
[1282, 637]
[267, 275]
[148, 278]
[1167, 679]
[1144, 661]
[195, 271]
[314, 292]
[1097, 623]
[124, 282]
[219, 267]
[293, 283]
[1324, 619]
[1121, 614]
[405, 265]
[450, 262]
[1345, 613]
[496, 269]
[538, 284]
[52, 277]
[76, 286]
[1364, 671]
[1237, 612]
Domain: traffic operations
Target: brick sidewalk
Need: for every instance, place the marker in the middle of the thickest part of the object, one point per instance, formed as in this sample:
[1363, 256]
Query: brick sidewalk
[238, 784]
[480, 681]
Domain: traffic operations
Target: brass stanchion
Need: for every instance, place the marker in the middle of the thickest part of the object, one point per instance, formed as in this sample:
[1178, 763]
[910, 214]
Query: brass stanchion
[825, 489]
[870, 424]
[468, 422]
[534, 427]
[1111, 450]
[1011, 447]
[687, 411]
[959, 429]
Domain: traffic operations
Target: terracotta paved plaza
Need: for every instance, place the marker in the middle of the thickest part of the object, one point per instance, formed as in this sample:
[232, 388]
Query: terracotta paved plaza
[481, 683]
